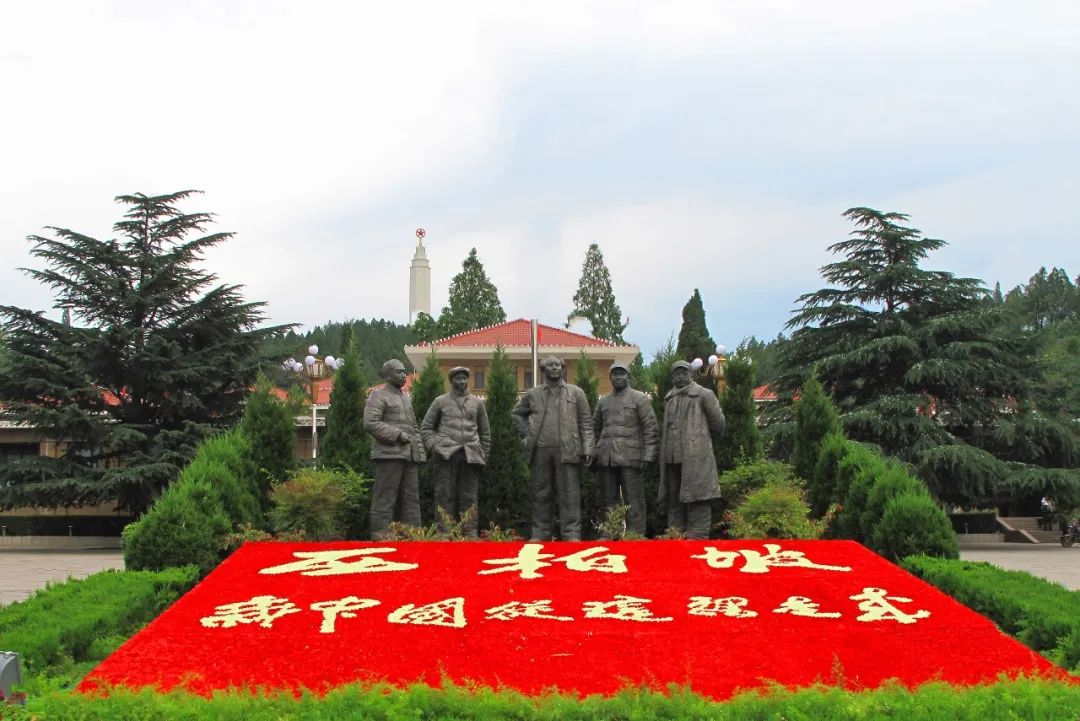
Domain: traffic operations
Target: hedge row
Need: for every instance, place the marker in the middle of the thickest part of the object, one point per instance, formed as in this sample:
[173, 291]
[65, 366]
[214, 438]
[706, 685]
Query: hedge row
[81, 620]
[216, 493]
[1041, 614]
[880, 503]
[1032, 700]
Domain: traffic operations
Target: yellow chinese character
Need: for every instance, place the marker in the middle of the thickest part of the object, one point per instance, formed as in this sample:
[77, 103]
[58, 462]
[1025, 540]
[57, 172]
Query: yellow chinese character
[263, 610]
[756, 562]
[732, 606]
[334, 563]
[524, 609]
[450, 612]
[343, 607]
[530, 560]
[803, 606]
[876, 607]
[623, 608]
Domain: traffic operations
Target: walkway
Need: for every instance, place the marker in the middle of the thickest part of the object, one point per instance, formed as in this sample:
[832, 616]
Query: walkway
[24, 571]
[1050, 561]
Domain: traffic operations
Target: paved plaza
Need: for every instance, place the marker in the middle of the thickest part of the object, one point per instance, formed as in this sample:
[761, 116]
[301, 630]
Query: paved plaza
[24, 571]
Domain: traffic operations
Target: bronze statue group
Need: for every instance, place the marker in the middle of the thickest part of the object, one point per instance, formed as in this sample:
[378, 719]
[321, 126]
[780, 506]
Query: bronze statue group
[560, 435]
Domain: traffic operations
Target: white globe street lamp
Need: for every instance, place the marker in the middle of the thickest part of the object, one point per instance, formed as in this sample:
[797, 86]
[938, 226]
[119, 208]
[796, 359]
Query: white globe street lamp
[314, 369]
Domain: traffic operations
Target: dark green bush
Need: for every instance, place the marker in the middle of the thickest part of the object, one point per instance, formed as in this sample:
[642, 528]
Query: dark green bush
[914, 524]
[1043, 615]
[239, 505]
[749, 476]
[85, 620]
[311, 501]
[355, 514]
[778, 510]
[1031, 700]
[895, 481]
[856, 472]
[823, 488]
[244, 502]
[187, 525]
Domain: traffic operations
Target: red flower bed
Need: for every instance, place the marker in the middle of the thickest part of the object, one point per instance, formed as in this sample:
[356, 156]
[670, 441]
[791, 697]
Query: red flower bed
[590, 617]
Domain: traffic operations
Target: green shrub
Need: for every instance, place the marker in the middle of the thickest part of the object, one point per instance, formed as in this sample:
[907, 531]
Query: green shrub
[895, 481]
[749, 476]
[778, 510]
[85, 620]
[355, 516]
[856, 471]
[231, 450]
[1041, 614]
[187, 525]
[239, 505]
[311, 501]
[1031, 700]
[823, 487]
[914, 524]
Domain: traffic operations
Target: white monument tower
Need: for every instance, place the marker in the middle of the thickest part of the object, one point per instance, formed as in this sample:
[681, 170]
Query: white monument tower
[419, 279]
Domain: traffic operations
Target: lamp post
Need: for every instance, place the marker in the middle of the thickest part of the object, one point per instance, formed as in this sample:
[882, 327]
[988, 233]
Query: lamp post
[716, 364]
[313, 369]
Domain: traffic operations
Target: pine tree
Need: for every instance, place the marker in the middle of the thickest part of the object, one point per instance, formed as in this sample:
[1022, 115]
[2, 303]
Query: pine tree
[917, 365]
[473, 302]
[429, 385]
[595, 298]
[424, 328]
[659, 371]
[815, 418]
[585, 379]
[592, 502]
[346, 445]
[742, 439]
[694, 338]
[504, 497]
[152, 356]
[270, 432]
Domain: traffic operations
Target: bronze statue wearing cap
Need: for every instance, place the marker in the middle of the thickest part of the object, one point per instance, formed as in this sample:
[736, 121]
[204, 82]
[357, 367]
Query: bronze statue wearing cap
[457, 437]
[626, 441]
[556, 423]
[397, 451]
[688, 477]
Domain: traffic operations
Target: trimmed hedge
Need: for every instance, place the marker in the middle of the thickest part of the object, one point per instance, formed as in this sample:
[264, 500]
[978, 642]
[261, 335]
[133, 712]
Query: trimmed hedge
[1041, 614]
[81, 620]
[1032, 700]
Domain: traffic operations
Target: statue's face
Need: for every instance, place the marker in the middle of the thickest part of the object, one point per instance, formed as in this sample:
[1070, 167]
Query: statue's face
[395, 375]
[619, 379]
[681, 377]
[553, 369]
[460, 383]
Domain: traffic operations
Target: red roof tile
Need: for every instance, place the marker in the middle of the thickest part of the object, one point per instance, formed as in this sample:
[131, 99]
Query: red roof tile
[519, 333]
[764, 393]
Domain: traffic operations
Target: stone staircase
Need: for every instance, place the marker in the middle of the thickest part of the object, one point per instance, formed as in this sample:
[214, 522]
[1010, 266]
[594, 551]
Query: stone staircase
[1030, 524]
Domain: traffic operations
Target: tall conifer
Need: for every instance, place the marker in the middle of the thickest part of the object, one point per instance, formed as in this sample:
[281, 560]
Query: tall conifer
[473, 302]
[595, 298]
[346, 445]
[504, 498]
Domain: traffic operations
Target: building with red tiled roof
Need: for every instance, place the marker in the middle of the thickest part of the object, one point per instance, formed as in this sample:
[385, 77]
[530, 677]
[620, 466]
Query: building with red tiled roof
[473, 349]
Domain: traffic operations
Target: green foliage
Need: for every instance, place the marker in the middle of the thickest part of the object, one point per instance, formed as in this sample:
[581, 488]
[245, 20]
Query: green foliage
[822, 486]
[237, 501]
[187, 525]
[1041, 614]
[855, 473]
[505, 479]
[59, 624]
[595, 298]
[815, 418]
[270, 431]
[753, 475]
[764, 356]
[473, 301]
[430, 385]
[640, 377]
[376, 340]
[592, 503]
[659, 375]
[777, 510]
[585, 378]
[918, 362]
[154, 357]
[355, 515]
[894, 482]
[311, 501]
[346, 445]
[694, 338]
[913, 524]
[613, 525]
[424, 328]
[246, 498]
[742, 440]
[1029, 699]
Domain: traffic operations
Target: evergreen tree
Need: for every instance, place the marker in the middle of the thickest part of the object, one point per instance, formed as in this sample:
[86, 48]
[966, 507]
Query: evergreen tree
[815, 418]
[742, 440]
[429, 385]
[270, 431]
[504, 497]
[424, 328]
[152, 356]
[473, 302]
[592, 502]
[585, 379]
[694, 338]
[640, 378]
[595, 298]
[346, 445]
[918, 366]
[659, 371]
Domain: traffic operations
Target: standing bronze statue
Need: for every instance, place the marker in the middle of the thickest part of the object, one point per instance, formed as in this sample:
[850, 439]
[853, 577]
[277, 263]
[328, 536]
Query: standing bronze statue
[688, 477]
[397, 451]
[556, 423]
[626, 439]
[457, 437]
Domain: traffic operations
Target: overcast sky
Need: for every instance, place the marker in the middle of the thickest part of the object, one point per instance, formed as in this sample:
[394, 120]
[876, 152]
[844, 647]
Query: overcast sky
[701, 144]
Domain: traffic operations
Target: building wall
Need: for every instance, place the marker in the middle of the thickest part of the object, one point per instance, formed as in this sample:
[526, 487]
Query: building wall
[522, 370]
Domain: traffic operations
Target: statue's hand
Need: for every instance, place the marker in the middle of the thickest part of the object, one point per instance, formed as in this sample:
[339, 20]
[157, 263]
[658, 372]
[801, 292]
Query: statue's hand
[587, 460]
